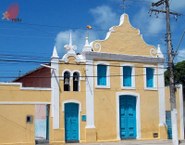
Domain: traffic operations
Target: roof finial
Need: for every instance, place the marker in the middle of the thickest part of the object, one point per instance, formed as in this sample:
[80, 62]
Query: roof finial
[86, 41]
[87, 46]
[159, 53]
[55, 54]
[70, 47]
[123, 6]
[70, 39]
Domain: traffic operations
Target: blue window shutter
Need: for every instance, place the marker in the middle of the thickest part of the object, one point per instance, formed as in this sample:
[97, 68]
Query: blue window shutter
[150, 77]
[101, 74]
[127, 76]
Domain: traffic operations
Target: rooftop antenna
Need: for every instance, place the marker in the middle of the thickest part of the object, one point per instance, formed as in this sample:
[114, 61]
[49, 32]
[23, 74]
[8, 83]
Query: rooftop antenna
[123, 6]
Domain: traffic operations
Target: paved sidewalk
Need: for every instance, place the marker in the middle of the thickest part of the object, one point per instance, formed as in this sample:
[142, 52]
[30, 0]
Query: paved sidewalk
[129, 142]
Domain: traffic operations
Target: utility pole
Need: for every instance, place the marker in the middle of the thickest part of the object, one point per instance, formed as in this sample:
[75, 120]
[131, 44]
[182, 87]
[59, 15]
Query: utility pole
[170, 64]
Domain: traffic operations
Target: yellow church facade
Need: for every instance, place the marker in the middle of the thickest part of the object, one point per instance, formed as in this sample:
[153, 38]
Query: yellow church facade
[114, 90]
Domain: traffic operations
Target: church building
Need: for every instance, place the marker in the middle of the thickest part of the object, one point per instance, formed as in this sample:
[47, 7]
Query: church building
[113, 90]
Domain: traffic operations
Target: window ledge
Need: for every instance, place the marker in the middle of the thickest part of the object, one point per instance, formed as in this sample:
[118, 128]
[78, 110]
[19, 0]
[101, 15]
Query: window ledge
[151, 89]
[102, 87]
[128, 88]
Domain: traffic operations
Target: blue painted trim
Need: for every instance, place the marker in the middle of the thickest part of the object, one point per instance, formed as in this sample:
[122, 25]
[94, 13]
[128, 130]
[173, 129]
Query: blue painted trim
[71, 122]
[169, 124]
[127, 115]
[83, 117]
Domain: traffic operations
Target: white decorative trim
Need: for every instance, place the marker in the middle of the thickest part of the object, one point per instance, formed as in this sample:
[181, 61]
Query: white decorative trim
[79, 110]
[132, 76]
[87, 46]
[174, 127]
[109, 32]
[121, 57]
[159, 53]
[161, 95]
[25, 88]
[77, 57]
[112, 29]
[138, 119]
[107, 77]
[36, 89]
[153, 52]
[11, 84]
[89, 95]
[80, 75]
[55, 98]
[79, 81]
[97, 47]
[71, 74]
[155, 77]
[55, 54]
[71, 101]
[71, 78]
[181, 108]
[24, 103]
[64, 72]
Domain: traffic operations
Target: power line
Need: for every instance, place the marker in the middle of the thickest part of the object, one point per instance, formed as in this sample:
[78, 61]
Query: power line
[99, 89]
[170, 63]
[180, 41]
[93, 76]
[40, 62]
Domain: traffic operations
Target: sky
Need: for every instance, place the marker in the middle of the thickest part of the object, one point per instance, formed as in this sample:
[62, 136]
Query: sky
[26, 44]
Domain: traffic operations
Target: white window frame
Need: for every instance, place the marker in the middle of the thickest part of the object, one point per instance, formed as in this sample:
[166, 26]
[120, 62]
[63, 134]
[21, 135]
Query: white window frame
[132, 77]
[71, 78]
[64, 72]
[79, 112]
[67, 70]
[155, 78]
[138, 112]
[107, 73]
[79, 81]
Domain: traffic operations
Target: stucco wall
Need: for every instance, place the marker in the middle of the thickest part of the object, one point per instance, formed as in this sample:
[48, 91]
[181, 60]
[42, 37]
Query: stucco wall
[58, 135]
[15, 104]
[14, 92]
[179, 107]
[14, 129]
[106, 105]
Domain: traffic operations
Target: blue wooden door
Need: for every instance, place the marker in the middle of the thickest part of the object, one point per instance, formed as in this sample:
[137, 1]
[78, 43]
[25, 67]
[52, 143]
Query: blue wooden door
[169, 124]
[127, 117]
[71, 122]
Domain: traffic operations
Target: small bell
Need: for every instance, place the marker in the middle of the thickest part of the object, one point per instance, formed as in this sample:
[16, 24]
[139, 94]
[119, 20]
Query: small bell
[66, 81]
[75, 79]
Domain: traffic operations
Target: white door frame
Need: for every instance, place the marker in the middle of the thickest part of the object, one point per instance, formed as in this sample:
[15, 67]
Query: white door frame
[138, 120]
[79, 110]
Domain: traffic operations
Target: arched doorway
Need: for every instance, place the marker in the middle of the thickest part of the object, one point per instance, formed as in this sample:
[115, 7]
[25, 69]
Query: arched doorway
[71, 122]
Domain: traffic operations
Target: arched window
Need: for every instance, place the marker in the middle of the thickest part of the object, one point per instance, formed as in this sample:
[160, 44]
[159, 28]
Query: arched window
[66, 81]
[75, 81]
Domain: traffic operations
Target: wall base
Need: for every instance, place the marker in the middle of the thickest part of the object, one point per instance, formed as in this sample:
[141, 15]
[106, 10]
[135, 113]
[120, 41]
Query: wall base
[163, 132]
[90, 135]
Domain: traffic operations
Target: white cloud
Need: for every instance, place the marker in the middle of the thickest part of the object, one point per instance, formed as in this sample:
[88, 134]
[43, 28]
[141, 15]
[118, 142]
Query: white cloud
[155, 25]
[104, 17]
[178, 4]
[78, 38]
[181, 55]
[149, 24]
